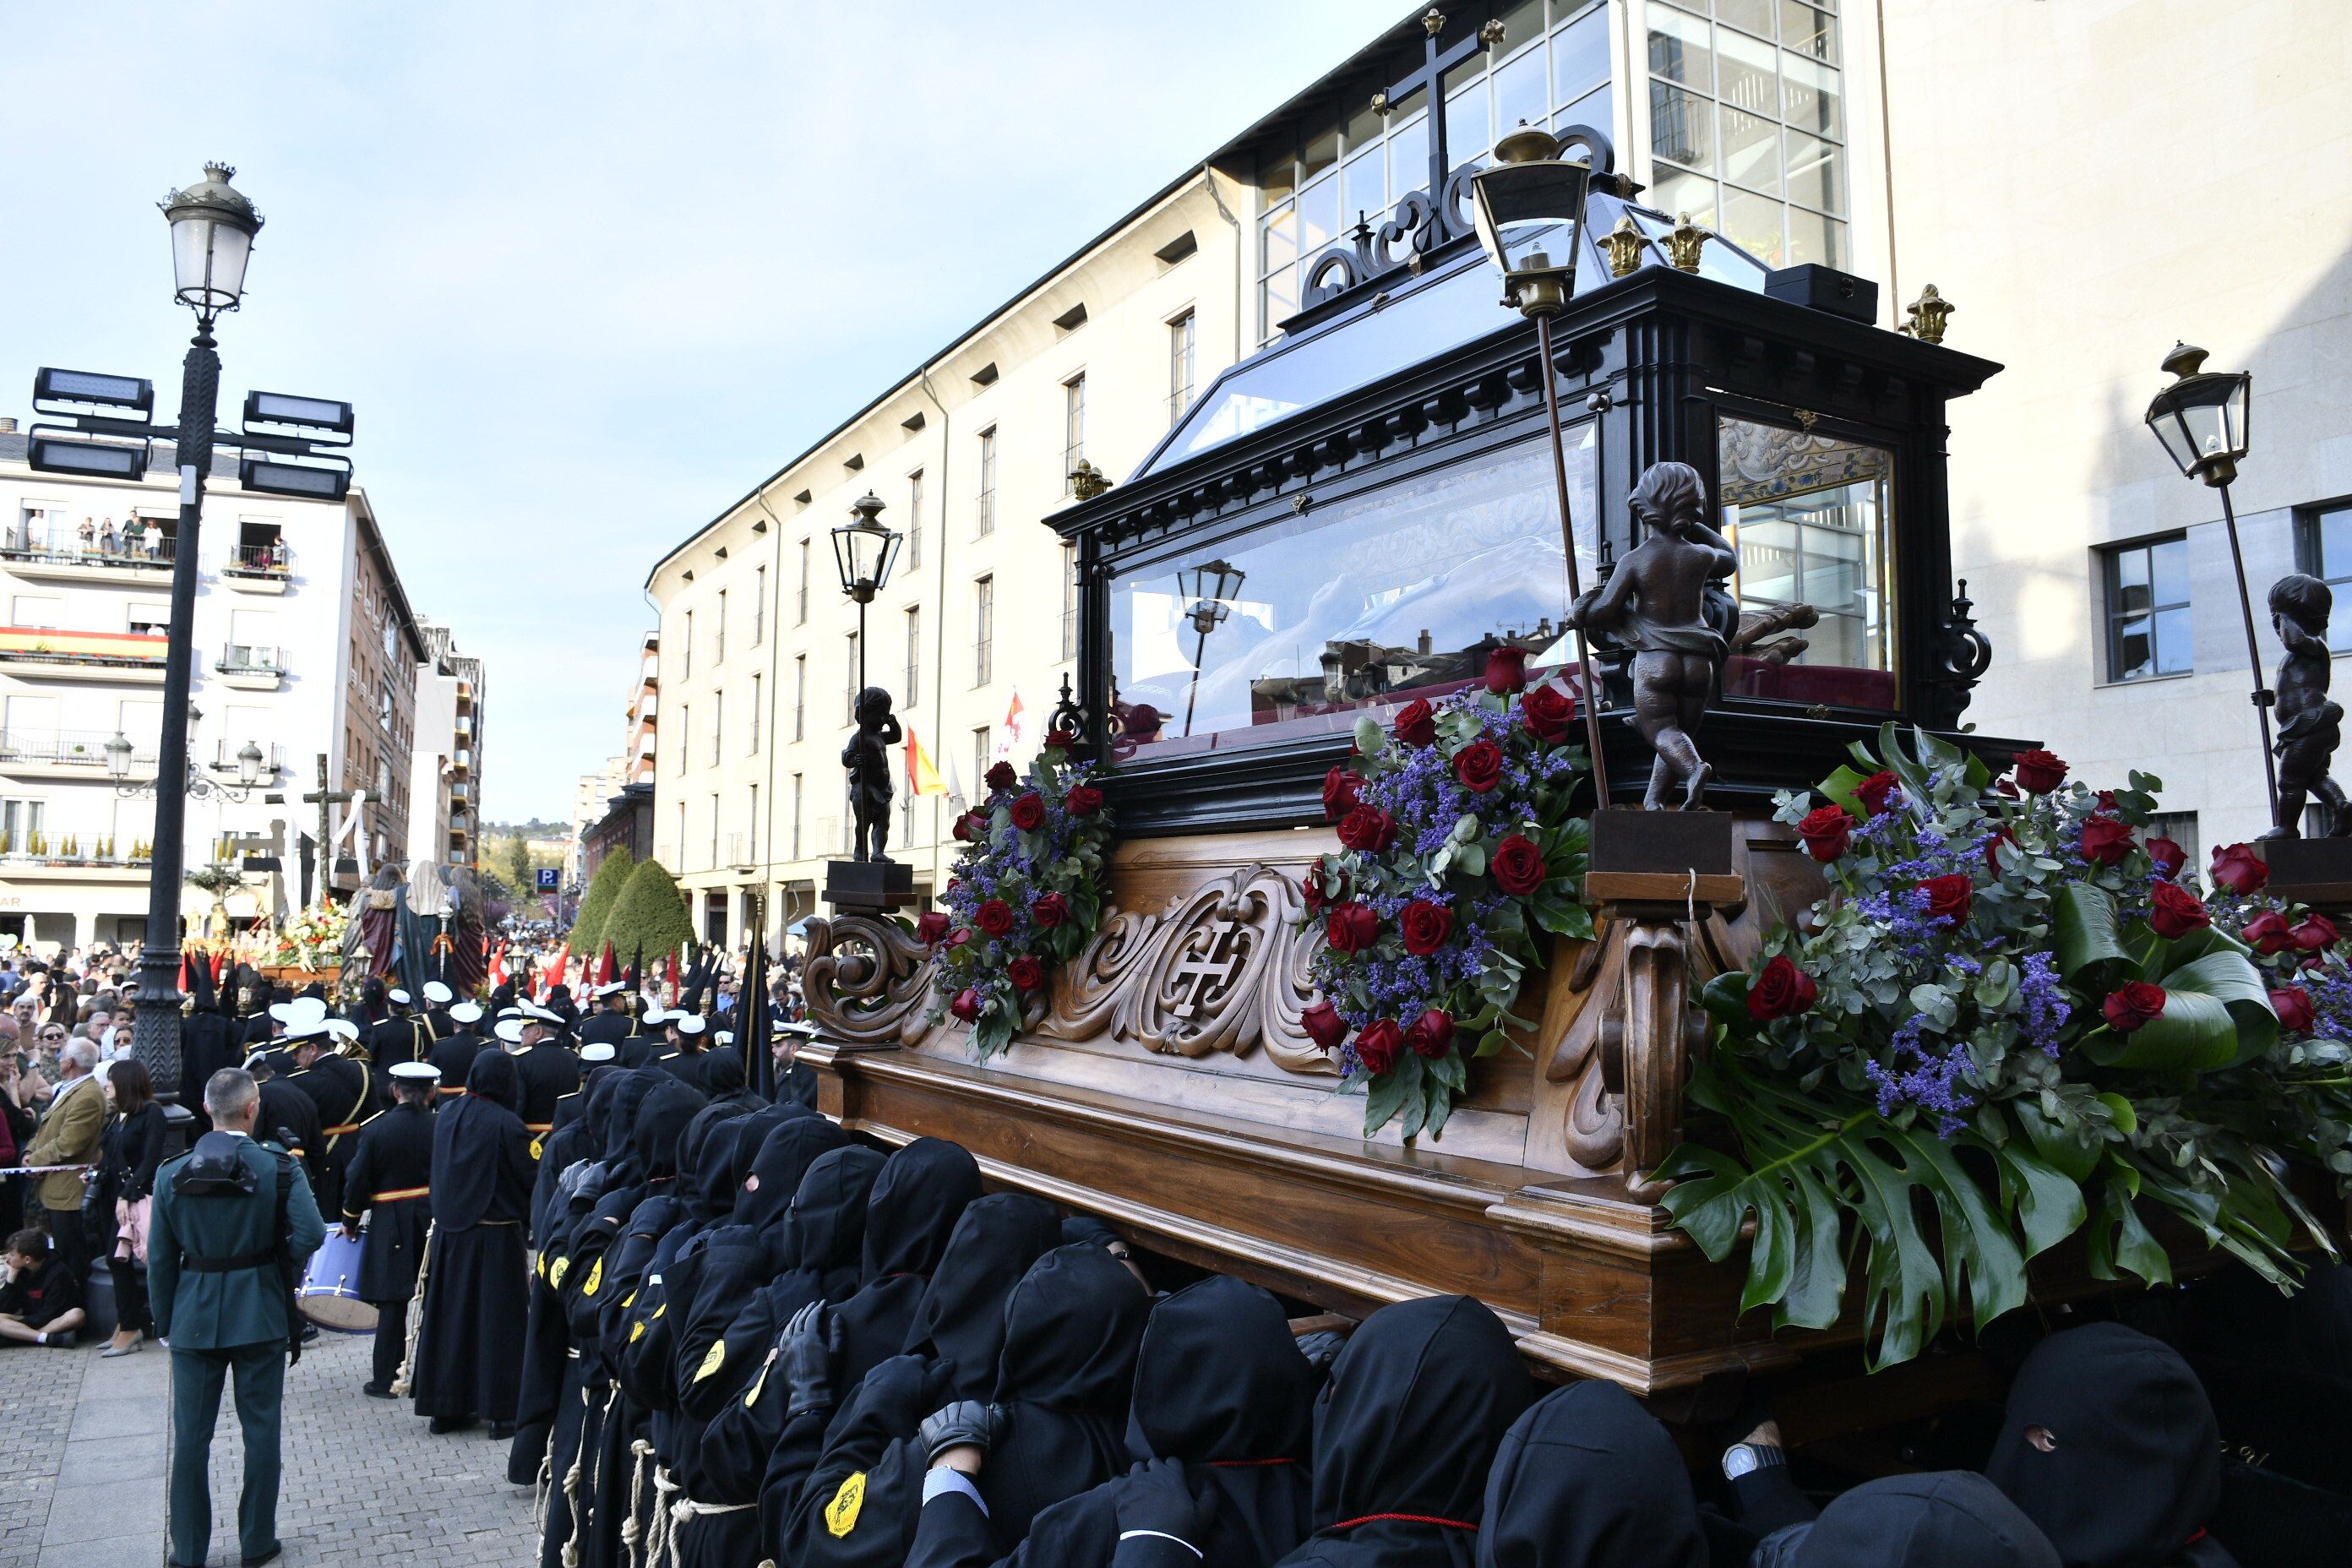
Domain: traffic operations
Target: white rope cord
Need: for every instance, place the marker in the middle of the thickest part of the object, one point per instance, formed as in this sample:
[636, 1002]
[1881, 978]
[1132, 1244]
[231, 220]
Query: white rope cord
[402, 1381]
[684, 1511]
[657, 1538]
[596, 1477]
[572, 1506]
[630, 1530]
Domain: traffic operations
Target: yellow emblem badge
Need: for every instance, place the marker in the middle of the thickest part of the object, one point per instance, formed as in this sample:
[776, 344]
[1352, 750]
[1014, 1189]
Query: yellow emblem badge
[555, 1275]
[841, 1513]
[711, 1360]
[596, 1278]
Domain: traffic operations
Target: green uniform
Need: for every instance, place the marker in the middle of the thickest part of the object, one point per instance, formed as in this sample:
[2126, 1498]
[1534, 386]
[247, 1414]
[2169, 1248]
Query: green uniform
[225, 1320]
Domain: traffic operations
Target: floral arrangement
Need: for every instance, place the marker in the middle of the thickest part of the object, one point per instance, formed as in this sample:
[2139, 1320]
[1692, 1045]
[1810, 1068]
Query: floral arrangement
[1458, 855]
[2011, 1014]
[311, 938]
[1025, 897]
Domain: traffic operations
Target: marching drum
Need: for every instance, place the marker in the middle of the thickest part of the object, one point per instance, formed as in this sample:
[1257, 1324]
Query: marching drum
[330, 1293]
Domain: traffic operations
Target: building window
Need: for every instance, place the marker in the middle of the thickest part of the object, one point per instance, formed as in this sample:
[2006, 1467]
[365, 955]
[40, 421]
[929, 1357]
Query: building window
[2180, 827]
[22, 823]
[983, 519]
[680, 850]
[980, 763]
[914, 523]
[718, 724]
[685, 650]
[1181, 365]
[2323, 547]
[800, 695]
[796, 816]
[1073, 428]
[1069, 598]
[2147, 608]
[685, 741]
[914, 655]
[984, 630]
[713, 860]
[1747, 126]
[803, 617]
[752, 829]
[719, 634]
[758, 605]
[755, 715]
[850, 684]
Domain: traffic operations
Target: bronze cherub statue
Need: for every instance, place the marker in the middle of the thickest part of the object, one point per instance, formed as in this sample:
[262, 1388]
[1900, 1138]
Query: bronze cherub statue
[867, 758]
[2310, 724]
[1655, 603]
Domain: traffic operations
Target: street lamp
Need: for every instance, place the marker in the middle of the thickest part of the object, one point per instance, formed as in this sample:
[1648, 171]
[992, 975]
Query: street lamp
[1528, 209]
[2201, 419]
[1208, 586]
[212, 226]
[864, 551]
[248, 773]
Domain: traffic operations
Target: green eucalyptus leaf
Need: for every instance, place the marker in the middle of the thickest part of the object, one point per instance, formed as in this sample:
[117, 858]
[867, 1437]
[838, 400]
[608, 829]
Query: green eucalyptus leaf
[1371, 739]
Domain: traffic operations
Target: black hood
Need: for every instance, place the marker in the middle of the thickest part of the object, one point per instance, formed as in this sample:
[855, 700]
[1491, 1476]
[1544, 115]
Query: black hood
[660, 1121]
[2134, 1466]
[492, 1078]
[914, 1206]
[829, 1209]
[1219, 1379]
[596, 1108]
[961, 1319]
[690, 1144]
[629, 1091]
[784, 1158]
[1071, 1329]
[1415, 1407]
[1588, 1479]
[1946, 1519]
[717, 1171]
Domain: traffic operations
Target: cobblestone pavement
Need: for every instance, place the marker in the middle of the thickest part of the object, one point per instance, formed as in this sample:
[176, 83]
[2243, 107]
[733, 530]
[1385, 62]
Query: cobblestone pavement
[81, 1469]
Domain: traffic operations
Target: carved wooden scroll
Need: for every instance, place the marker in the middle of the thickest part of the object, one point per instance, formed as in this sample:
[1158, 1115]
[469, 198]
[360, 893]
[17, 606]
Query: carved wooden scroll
[867, 981]
[1219, 968]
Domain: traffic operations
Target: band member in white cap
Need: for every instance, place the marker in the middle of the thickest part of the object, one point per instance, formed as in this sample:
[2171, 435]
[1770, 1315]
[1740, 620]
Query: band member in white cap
[436, 1013]
[613, 1025]
[454, 1056]
[688, 1032]
[545, 1067]
[343, 1090]
[390, 1182]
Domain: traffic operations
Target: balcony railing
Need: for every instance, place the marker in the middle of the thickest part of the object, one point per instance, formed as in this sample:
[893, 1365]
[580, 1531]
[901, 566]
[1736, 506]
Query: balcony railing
[255, 560]
[246, 658]
[65, 748]
[464, 725]
[742, 849]
[44, 645]
[149, 550]
[63, 849]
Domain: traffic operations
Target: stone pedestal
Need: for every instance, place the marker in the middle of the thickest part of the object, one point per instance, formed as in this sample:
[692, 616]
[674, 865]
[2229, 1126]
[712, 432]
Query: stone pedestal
[868, 887]
[2315, 871]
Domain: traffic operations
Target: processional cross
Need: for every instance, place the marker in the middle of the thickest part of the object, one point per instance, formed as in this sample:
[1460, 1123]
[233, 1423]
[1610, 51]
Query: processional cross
[324, 797]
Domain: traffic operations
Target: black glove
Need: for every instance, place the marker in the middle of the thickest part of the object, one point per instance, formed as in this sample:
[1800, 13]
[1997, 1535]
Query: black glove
[953, 1425]
[1155, 1508]
[811, 1342]
[1322, 1348]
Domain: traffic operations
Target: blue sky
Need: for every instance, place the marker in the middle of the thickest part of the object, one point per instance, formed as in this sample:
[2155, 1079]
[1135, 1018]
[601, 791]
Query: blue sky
[590, 271]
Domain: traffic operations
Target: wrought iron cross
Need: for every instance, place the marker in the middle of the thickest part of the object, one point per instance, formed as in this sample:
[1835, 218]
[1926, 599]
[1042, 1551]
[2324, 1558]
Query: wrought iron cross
[322, 797]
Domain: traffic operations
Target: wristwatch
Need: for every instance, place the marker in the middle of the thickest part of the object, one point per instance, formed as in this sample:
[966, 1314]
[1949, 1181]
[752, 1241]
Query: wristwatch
[1746, 1458]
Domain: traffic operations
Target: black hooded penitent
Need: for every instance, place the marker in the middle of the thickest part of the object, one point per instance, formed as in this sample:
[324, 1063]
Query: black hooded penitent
[1588, 1479]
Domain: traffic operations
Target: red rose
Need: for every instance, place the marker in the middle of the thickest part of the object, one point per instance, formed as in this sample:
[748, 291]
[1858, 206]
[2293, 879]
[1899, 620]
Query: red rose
[1321, 886]
[1828, 832]
[2137, 1004]
[968, 827]
[2105, 841]
[2238, 869]
[1368, 829]
[1781, 990]
[2174, 911]
[2168, 856]
[1950, 897]
[2039, 772]
[1341, 791]
[994, 916]
[932, 927]
[1479, 765]
[1549, 713]
[1377, 1046]
[1351, 928]
[1431, 1033]
[1049, 909]
[1002, 776]
[1025, 972]
[1873, 791]
[1061, 740]
[1992, 848]
[1518, 866]
[1425, 927]
[2315, 933]
[966, 1005]
[1084, 800]
[958, 936]
[1416, 723]
[1324, 1026]
[2295, 1013]
[1506, 669]
[2268, 932]
[1029, 812]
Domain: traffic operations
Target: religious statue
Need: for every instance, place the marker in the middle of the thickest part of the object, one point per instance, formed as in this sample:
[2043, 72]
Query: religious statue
[2309, 723]
[867, 758]
[1656, 603]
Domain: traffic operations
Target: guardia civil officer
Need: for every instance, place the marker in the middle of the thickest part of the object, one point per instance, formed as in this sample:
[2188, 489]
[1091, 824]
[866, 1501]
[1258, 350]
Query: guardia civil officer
[390, 1182]
[232, 1228]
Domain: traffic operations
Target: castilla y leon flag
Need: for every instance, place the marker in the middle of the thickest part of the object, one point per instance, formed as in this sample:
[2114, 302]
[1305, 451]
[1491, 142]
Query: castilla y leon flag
[921, 777]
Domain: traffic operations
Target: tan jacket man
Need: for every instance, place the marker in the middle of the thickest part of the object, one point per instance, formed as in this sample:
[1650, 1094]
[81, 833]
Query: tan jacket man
[70, 1134]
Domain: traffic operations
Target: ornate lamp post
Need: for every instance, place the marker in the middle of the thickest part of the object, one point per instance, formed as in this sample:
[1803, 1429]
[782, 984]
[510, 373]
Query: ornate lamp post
[2201, 419]
[864, 551]
[1207, 587]
[1529, 211]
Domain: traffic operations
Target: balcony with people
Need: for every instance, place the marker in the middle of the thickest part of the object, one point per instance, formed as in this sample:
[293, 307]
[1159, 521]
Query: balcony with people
[260, 562]
[136, 549]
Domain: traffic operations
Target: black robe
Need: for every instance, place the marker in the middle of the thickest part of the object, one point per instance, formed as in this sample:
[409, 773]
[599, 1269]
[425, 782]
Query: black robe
[476, 1300]
[389, 1171]
[1417, 1405]
[1588, 1479]
[1940, 1519]
[290, 1119]
[455, 1058]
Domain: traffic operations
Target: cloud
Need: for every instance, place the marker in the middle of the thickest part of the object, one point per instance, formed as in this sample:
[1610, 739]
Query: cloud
[589, 271]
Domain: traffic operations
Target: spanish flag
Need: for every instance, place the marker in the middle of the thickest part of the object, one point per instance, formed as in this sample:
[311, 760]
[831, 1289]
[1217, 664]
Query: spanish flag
[921, 777]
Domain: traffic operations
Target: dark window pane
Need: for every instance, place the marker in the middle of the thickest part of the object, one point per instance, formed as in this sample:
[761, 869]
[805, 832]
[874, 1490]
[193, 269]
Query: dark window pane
[2170, 573]
[2132, 649]
[1682, 126]
[2172, 650]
